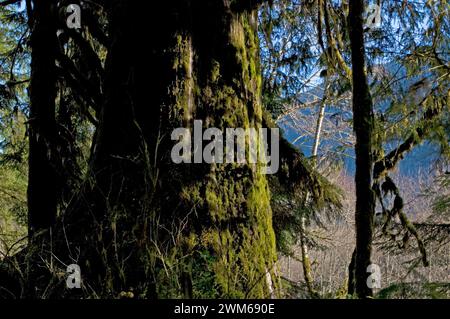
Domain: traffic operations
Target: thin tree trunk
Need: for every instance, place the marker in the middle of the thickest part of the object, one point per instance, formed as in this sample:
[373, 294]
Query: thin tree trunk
[320, 118]
[363, 126]
[306, 261]
[351, 275]
[42, 198]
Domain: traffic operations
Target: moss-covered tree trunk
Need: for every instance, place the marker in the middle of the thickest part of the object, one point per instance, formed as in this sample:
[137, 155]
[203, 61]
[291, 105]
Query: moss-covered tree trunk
[363, 126]
[42, 196]
[306, 261]
[192, 230]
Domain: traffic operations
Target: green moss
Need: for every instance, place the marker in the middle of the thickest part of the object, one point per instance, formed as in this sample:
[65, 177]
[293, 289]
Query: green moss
[235, 245]
[215, 71]
[184, 87]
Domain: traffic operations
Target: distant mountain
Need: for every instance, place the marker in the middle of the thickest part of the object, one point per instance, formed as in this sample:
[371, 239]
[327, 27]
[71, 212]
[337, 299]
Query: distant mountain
[418, 161]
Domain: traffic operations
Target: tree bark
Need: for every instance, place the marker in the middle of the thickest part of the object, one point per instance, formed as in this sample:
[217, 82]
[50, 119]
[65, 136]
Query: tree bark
[166, 68]
[306, 262]
[42, 198]
[319, 124]
[363, 126]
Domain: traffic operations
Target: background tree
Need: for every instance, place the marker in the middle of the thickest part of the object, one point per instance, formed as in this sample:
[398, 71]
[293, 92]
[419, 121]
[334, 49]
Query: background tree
[363, 120]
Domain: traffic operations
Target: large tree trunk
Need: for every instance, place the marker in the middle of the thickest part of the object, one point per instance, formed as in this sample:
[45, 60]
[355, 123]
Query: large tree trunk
[193, 230]
[363, 127]
[42, 198]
